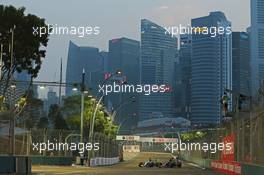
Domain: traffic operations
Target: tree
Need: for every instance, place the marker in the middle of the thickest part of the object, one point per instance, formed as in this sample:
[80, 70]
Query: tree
[2, 106]
[32, 111]
[188, 136]
[71, 111]
[28, 49]
[43, 123]
[56, 117]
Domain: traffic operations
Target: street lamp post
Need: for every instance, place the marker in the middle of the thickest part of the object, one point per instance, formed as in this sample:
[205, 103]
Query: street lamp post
[66, 141]
[82, 105]
[12, 46]
[90, 137]
[91, 131]
[93, 119]
[125, 102]
[13, 117]
[118, 72]
[12, 123]
[122, 123]
[1, 59]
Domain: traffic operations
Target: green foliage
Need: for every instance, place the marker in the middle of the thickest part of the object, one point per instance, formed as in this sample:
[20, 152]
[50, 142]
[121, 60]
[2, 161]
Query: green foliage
[171, 135]
[56, 117]
[21, 103]
[71, 111]
[192, 135]
[2, 106]
[29, 110]
[27, 52]
[43, 123]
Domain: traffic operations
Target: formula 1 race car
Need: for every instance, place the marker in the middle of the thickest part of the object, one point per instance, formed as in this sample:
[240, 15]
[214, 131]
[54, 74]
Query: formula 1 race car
[173, 162]
[150, 164]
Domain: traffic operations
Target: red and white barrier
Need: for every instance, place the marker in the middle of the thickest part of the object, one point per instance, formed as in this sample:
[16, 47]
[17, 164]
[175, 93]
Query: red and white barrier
[227, 167]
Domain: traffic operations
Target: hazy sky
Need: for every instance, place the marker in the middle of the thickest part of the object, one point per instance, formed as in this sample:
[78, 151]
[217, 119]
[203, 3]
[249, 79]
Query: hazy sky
[120, 18]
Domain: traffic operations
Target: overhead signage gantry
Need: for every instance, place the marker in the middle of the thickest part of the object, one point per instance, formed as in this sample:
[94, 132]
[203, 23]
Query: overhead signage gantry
[146, 139]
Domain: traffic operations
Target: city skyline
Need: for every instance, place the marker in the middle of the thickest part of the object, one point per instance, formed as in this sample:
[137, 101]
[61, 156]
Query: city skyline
[135, 87]
[165, 46]
[165, 13]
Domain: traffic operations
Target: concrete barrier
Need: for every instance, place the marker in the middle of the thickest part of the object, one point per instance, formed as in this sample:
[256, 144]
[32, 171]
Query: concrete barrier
[252, 169]
[227, 167]
[52, 160]
[15, 164]
[246, 169]
[8, 164]
[102, 161]
[23, 165]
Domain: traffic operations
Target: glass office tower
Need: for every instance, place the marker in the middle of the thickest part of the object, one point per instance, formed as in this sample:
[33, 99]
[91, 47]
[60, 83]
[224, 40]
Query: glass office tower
[257, 45]
[89, 59]
[158, 55]
[241, 63]
[211, 69]
[124, 55]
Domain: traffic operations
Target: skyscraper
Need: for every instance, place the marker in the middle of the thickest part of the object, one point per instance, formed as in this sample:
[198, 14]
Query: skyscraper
[211, 69]
[52, 99]
[25, 78]
[87, 58]
[104, 56]
[241, 63]
[183, 77]
[158, 55]
[23, 86]
[124, 55]
[257, 45]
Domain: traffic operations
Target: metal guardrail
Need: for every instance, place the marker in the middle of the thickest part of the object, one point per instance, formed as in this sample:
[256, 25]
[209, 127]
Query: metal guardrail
[249, 139]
